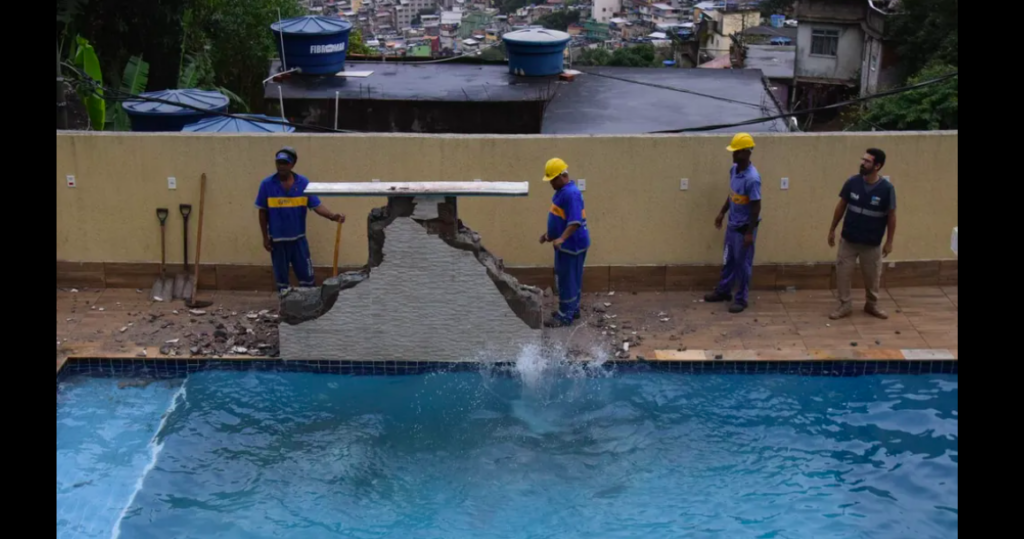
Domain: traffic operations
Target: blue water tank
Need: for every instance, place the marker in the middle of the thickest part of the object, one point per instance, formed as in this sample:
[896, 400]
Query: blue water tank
[239, 124]
[778, 21]
[160, 116]
[317, 45]
[535, 52]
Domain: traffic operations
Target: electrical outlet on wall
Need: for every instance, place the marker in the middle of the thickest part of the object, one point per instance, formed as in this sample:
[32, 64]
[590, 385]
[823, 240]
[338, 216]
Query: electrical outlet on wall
[172, 183]
[785, 184]
[72, 182]
[582, 184]
[684, 184]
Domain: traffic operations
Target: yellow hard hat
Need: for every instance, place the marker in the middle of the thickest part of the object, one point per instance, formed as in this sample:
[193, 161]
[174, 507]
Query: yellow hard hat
[742, 141]
[555, 168]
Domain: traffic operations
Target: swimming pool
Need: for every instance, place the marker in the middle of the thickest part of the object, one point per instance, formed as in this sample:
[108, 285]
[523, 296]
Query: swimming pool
[263, 454]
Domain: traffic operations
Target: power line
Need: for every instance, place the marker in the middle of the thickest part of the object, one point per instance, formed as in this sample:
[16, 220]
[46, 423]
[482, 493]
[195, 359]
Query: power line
[805, 112]
[671, 88]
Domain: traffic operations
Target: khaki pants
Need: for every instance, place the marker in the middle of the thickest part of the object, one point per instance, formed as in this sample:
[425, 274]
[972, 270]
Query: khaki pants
[870, 264]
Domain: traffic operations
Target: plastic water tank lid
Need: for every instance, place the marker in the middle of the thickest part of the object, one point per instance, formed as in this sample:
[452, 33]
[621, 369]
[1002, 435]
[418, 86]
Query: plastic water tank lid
[223, 124]
[311, 25]
[203, 99]
[537, 35]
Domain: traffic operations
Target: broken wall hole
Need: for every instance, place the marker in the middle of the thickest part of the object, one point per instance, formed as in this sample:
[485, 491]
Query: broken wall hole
[430, 291]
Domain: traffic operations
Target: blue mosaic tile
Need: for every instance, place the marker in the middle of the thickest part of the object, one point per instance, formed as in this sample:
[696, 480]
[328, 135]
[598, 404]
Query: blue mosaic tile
[174, 368]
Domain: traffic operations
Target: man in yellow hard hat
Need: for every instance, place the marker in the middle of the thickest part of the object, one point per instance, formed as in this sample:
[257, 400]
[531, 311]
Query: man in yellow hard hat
[744, 208]
[568, 233]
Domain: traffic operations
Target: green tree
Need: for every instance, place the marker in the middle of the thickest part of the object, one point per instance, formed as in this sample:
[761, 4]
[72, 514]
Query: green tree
[594, 57]
[559, 20]
[357, 46]
[926, 31]
[927, 37]
[928, 109]
[236, 35]
[635, 56]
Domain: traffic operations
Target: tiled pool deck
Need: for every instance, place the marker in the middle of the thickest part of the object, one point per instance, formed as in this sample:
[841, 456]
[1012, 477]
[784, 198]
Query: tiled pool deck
[779, 327]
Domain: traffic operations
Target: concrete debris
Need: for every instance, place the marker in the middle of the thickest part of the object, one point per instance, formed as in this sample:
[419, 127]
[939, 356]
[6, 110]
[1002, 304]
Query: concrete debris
[166, 350]
[172, 341]
[607, 305]
[123, 329]
[253, 316]
[101, 309]
[612, 293]
[719, 356]
[899, 333]
[666, 319]
[174, 311]
[600, 308]
[194, 350]
[74, 290]
[853, 344]
[240, 350]
[197, 312]
[625, 347]
[878, 342]
[142, 353]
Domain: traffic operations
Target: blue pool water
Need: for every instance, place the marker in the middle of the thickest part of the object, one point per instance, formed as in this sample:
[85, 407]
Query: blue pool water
[262, 454]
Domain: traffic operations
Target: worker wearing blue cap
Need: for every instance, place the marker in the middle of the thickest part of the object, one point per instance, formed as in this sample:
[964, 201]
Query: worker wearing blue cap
[568, 233]
[283, 206]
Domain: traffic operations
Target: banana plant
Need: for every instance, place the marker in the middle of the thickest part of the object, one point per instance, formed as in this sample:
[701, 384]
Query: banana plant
[87, 61]
[133, 82]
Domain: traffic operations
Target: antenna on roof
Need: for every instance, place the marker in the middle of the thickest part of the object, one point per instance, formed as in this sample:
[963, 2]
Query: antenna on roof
[284, 61]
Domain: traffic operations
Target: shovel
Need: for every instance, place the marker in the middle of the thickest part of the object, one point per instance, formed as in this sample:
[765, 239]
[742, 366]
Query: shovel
[190, 296]
[163, 288]
[181, 280]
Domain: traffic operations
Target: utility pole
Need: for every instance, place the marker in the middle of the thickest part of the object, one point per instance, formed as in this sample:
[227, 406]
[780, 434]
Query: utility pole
[62, 105]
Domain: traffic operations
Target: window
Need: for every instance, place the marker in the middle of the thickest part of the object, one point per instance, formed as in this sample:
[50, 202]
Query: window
[825, 43]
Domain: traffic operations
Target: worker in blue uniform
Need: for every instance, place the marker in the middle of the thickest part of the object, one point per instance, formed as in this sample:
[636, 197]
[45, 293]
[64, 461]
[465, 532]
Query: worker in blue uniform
[568, 234]
[283, 205]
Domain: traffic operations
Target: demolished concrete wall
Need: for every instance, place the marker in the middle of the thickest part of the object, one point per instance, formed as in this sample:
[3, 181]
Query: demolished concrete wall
[430, 292]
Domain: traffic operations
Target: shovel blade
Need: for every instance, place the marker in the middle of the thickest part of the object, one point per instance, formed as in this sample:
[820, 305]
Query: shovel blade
[179, 286]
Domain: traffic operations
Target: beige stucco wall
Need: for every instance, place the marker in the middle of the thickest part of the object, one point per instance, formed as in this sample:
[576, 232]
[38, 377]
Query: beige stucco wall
[637, 213]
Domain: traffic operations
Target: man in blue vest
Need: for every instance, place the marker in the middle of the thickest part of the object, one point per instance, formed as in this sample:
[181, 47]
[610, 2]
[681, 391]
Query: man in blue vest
[568, 233]
[744, 208]
[868, 202]
[283, 205]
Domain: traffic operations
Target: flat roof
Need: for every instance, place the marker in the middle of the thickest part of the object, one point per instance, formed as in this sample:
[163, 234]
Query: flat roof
[776, 62]
[591, 104]
[598, 105]
[787, 32]
[411, 82]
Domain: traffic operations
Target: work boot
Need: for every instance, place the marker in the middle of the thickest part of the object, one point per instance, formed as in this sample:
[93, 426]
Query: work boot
[557, 322]
[737, 308]
[717, 297]
[873, 310]
[843, 311]
[574, 317]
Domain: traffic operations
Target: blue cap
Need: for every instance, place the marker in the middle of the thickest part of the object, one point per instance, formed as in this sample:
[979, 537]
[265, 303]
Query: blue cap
[285, 156]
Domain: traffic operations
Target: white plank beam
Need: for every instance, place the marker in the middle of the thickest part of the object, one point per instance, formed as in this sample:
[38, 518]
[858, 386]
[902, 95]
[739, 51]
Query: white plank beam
[413, 189]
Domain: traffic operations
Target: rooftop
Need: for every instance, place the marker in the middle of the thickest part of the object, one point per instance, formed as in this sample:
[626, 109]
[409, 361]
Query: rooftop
[597, 105]
[592, 104]
[786, 32]
[411, 82]
[774, 62]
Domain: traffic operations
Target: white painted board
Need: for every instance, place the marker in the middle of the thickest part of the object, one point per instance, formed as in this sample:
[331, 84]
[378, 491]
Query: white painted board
[376, 189]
